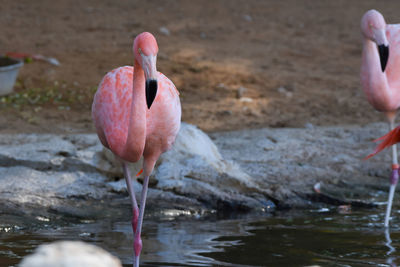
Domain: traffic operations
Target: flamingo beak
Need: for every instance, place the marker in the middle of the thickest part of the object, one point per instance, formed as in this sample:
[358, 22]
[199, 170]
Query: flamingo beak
[150, 74]
[383, 47]
[151, 91]
[383, 55]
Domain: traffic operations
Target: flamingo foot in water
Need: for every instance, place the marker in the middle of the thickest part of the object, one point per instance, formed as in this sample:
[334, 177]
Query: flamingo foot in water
[394, 178]
[137, 243]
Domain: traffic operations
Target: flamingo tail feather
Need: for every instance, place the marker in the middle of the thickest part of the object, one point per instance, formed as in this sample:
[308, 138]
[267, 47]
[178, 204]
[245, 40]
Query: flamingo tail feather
[388, 139]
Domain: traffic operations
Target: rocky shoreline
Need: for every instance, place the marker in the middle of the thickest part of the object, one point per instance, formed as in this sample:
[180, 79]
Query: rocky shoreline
[255, 170]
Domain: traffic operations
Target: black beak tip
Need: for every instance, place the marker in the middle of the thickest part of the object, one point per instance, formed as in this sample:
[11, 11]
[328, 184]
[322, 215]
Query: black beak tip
[383, 55]
[151, 91]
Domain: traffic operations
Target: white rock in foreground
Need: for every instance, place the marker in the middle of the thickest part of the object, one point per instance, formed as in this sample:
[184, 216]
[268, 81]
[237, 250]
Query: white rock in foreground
[70, 254]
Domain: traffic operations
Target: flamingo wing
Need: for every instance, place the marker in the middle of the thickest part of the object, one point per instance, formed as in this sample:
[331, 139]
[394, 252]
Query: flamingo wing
[111, 108]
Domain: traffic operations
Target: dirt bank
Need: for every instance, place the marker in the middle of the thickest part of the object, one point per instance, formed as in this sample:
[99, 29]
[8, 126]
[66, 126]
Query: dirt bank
[298, 60]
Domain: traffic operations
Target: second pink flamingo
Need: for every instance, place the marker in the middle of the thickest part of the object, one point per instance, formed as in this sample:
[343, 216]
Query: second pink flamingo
[380, 77]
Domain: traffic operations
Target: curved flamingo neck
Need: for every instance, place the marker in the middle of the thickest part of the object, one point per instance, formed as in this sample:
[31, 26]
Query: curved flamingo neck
[136, 138]
[374, 81]
[371, 60]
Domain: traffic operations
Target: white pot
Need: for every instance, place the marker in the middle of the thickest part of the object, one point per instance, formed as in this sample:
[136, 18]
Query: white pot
[9, 68]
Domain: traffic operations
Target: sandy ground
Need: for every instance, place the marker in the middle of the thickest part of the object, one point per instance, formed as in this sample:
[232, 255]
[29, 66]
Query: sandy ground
[298, 60]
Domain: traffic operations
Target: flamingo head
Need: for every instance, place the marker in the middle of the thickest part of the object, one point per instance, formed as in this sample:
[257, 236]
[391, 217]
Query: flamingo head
[373, 27]
[145, 49]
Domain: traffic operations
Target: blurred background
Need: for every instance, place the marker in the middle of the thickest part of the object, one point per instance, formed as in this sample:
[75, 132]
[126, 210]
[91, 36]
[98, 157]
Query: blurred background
[237, 64]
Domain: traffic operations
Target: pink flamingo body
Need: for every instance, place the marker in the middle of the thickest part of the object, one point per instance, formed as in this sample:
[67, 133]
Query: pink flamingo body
[160, 124]
[137, 112]
[380, 77]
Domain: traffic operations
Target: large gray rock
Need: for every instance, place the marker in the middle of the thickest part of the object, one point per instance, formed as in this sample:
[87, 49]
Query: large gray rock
[291, 163]
[241, 170]
[195, 169]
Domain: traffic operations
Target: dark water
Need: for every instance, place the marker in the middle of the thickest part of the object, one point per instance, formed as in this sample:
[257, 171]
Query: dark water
[317, 237]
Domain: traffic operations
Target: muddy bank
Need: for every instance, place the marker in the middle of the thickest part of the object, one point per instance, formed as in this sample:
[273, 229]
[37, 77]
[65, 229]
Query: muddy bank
[250, 170]
[237, 64]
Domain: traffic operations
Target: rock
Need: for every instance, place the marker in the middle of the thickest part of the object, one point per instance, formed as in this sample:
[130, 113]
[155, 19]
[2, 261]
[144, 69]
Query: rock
[248, 170]
[70, 254]
[164, 30]
[67, 173]
[285, 92]
[240, 91]
[308, 125]
[247, 18]
[300, 158]
[246, 99]
[194, 167]
[221, 86]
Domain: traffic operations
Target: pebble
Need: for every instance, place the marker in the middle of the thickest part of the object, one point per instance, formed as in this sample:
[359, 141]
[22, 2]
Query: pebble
[247, 18]
[164, 30]
[240, 91]
[246, 99]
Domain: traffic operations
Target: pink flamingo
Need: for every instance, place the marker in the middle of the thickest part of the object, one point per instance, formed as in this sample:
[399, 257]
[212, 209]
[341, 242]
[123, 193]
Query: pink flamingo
[380, 78]
[137, 112]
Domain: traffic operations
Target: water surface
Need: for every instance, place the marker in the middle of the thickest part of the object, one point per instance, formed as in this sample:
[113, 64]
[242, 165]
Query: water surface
[315, 237]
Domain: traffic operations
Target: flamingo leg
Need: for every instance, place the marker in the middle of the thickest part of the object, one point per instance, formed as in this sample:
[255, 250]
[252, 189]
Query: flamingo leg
[138, 239]
[389, 243]
[135, 209]
[394, 178]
